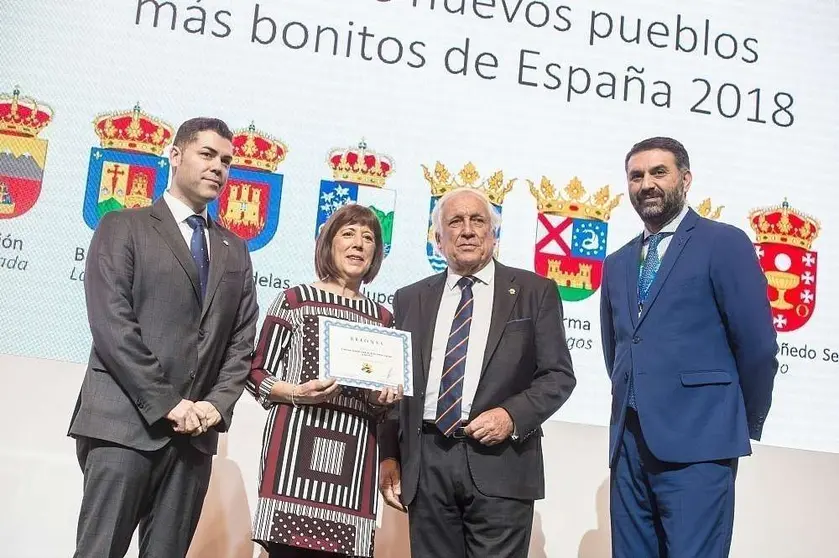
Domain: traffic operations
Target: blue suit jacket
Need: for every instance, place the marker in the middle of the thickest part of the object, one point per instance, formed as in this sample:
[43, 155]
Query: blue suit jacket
[702, 352]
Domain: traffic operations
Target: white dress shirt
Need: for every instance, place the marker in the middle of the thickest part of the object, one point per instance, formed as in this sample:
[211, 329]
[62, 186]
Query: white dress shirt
[668, 228]
[181, 211]
[482, 291]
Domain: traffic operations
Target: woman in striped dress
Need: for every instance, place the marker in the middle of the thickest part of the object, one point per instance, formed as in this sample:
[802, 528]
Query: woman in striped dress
[317, 488]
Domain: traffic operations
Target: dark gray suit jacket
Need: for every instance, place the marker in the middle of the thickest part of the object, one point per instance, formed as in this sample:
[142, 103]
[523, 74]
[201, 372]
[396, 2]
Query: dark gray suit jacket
[526, 370]
[153, 341]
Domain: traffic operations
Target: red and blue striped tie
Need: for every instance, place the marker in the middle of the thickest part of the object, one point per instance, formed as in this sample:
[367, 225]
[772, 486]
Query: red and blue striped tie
[454, 364]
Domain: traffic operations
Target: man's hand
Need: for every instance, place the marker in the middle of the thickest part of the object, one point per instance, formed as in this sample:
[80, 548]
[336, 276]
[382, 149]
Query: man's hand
[208, 414]
[185, 418]
[386, 397]
[390, 483]
[491, 427]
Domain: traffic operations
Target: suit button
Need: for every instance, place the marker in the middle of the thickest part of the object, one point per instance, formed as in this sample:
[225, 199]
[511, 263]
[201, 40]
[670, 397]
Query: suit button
[636, 340]
[140, 404]
[419, 431]
[192, 374]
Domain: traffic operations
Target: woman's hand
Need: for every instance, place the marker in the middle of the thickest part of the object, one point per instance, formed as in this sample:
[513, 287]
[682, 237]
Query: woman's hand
[312, 392]
[386, 397]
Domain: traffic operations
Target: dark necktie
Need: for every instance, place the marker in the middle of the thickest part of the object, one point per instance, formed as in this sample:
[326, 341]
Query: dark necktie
[198, 248]
[454, 363]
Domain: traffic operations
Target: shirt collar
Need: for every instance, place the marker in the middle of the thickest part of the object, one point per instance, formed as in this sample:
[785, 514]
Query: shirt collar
[180, 210]
[485, 275]
[672, 225]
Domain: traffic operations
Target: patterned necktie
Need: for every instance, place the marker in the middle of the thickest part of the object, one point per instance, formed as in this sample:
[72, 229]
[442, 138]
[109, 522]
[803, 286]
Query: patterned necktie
[650, 267]
[454, 364]
[198, 248]
[648, 273]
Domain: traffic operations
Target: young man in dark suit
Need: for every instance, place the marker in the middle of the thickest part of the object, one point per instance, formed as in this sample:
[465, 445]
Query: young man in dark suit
[172, 311]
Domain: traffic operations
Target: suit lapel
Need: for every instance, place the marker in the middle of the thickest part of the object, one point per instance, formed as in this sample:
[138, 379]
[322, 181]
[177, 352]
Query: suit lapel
[504, 297]
[632, 272]
[164, 223]
[218, 262]
[674, 250]
[429, 306]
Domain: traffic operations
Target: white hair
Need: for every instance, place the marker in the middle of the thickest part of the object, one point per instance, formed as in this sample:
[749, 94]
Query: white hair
[437, 213]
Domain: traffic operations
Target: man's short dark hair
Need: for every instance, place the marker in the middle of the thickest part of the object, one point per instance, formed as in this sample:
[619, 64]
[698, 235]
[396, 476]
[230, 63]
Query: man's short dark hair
[192, 127]
[350, 214]
[666, 144]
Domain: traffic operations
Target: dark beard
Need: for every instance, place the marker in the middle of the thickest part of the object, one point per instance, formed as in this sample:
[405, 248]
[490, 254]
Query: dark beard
[659, 215]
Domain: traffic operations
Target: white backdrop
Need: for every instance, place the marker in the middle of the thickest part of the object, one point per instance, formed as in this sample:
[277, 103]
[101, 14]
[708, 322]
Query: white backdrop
[87, 58]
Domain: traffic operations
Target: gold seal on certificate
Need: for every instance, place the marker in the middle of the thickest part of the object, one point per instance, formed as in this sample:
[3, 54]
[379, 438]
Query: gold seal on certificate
[365, 356]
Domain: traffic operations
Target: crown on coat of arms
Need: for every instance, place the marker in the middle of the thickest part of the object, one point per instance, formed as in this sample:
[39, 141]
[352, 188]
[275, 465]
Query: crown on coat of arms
[705, 209]
[255, 149]
[360, 165]
[20, 116]
[133, 130]
[575, 203]
[782, 224]
[442, 182]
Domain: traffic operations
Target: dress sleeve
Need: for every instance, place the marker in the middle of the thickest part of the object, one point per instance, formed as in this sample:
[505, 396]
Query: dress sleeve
[274, 340]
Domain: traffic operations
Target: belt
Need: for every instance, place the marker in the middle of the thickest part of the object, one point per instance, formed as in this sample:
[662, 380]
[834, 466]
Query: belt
[458, 433]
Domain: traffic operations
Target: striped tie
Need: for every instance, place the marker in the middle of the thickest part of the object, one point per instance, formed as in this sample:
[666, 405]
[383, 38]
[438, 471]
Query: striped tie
[454, 365]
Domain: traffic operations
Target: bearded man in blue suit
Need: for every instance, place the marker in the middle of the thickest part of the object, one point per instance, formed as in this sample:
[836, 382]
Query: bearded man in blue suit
[691, 351]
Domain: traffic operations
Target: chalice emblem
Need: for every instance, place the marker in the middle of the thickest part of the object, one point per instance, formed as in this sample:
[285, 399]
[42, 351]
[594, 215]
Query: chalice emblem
[782, 280]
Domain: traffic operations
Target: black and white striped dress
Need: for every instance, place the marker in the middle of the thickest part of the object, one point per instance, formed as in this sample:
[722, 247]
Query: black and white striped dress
[317, 486]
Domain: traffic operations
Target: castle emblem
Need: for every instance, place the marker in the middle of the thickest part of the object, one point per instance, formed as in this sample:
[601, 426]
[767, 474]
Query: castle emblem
[127, 170]
[22, 154]
[571, 232]
[250, 204]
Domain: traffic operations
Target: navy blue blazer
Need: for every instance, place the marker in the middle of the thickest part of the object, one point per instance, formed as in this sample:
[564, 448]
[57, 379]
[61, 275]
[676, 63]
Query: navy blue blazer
[702, 352]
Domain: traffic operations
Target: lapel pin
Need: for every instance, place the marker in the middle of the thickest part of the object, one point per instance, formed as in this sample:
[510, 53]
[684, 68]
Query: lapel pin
[225, 243]
[512, 291]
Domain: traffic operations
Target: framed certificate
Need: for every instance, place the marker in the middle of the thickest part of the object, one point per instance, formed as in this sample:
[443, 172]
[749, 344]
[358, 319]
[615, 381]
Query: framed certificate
[365, 356]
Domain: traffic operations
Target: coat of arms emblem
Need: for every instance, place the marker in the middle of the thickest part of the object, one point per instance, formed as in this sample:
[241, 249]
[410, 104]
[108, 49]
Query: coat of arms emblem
[571, 233]
[358, 176]
[442, 181]
[23, 154]
[784, 246]
[128, 169]
[250, 203]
